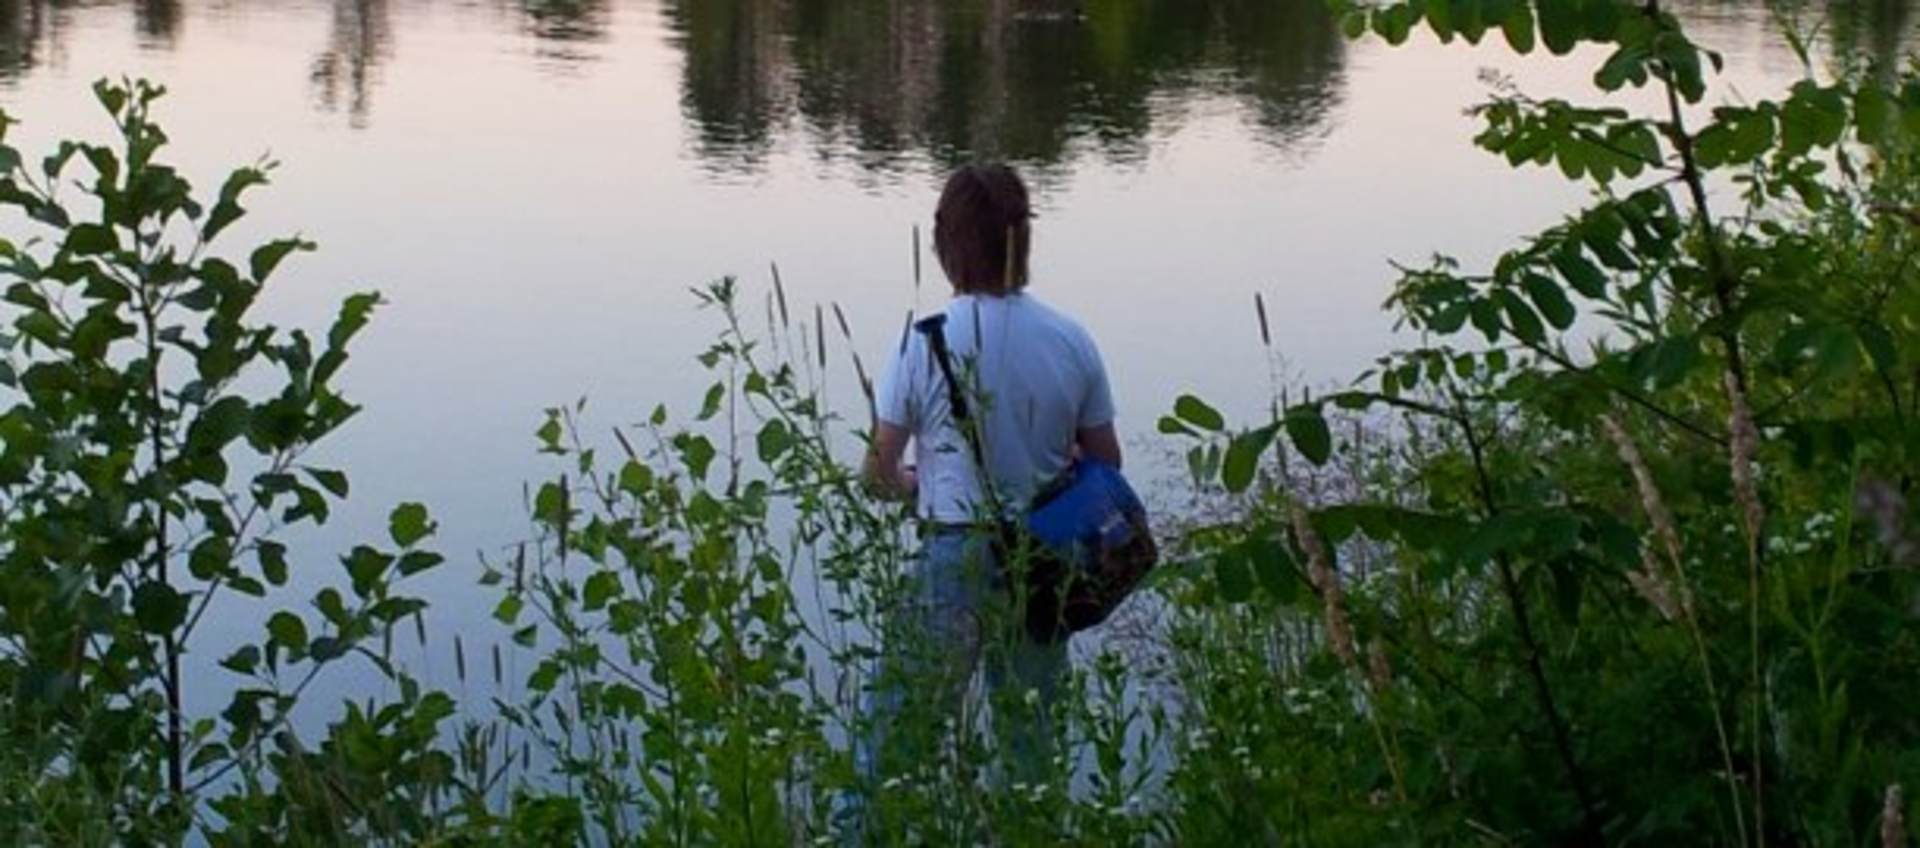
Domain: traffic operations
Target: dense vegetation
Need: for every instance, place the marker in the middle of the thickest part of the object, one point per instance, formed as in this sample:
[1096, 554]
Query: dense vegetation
[1620, 552]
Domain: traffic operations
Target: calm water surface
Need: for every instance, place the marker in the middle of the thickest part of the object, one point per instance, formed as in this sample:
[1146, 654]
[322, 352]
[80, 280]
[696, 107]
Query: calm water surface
[534, 185]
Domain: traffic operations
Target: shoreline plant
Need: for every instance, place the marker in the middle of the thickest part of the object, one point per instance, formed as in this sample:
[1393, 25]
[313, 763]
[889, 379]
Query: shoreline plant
[1618, 551]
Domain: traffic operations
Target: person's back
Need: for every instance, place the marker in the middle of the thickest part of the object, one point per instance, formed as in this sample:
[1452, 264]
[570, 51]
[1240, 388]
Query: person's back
[1036, 380]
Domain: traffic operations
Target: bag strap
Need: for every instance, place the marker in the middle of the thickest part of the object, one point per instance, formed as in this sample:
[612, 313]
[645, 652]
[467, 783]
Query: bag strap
[934, 327]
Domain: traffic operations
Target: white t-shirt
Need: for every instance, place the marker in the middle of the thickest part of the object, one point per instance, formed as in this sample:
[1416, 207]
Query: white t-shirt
[1039, 377]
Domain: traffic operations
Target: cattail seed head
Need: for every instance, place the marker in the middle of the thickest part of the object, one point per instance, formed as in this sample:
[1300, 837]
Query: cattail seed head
[1379, 666]
[1320, 569]
[1893, 819]
[1743, 447]
[1653, 586]
[1650, 500]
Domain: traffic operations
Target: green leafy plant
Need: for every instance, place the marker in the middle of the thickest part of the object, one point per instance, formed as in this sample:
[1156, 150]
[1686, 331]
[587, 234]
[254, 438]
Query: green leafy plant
[1632, 585]
[151, 447]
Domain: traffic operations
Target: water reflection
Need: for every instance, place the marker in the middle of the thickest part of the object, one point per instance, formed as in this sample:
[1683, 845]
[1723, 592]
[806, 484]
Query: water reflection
[24, 33]
[1876, 29]
[347, 70]
[1027, 80]
[157, 21]
[887, 83]
[562, 29]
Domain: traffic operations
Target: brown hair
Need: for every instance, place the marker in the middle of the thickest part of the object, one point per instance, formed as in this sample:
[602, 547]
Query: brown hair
[980, 230]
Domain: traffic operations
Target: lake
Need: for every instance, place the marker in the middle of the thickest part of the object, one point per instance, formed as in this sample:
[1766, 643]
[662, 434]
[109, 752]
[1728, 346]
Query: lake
[535, 185]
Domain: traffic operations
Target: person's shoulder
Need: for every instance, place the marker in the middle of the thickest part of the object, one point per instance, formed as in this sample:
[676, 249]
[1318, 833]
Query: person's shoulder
[1059, 320]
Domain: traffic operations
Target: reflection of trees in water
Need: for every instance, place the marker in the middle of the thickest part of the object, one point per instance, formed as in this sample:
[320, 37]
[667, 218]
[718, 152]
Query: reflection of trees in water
[27, 28]
[157, 20]
[560, 27]
[360, 39]
[1871, 29]
[1029, 80]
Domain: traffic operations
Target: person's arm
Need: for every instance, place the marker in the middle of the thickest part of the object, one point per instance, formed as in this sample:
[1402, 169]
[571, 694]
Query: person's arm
[1100, 443]
[882, 471]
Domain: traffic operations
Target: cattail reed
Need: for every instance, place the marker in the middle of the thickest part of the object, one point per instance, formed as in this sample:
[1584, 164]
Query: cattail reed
[459, 659]
[1893, 819]
[1652, 586]
[1650, 499]
[1744, 448]
[1260, 309]
[820, 334]
[779, 294]
[840, 317]
[1379, 666]
[1320, 569]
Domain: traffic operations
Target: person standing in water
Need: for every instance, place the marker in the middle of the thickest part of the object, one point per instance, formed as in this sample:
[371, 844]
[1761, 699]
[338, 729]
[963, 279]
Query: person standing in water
[1037, 397]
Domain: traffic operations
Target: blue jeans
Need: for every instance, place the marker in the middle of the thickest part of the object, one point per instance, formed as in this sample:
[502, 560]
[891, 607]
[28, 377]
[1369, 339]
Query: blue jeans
[957, 614]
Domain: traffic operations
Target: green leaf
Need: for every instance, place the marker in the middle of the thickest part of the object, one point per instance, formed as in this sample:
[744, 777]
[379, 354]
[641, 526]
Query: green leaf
[1272, 565]
[1243, 458]
[1235, 578]
[696, 452]
[331, 480]
[1879, 343]
[1518, 28]
[710, 407]
[365, 565]
[602, 587]
[508, 610]
[90, 239]
[409, 523]
[1873, 111]
[1172, 426]
[211, 558]
[414, 562]
[1196, 412]
[1439, 14]
[1548, 297]
[1578, 272]
[1307, 428]
[1560, 25]
[550, 434]
[273, 562]
[243, 661]
[218, 424]
[635, 478]
[1521, 318]
[1353, 24]
[550, 504]
[1668, 360]
[355, 311]
[773, 440]
[268, 256]
[288, 631]
[157, 608]
[228, 210]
